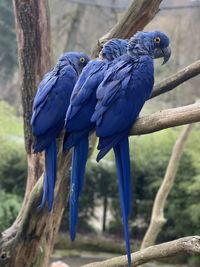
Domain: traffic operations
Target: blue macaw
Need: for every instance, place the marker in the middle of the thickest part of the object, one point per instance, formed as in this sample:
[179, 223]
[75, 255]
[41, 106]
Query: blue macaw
[49, 109]
[121, 95]
[78, 124]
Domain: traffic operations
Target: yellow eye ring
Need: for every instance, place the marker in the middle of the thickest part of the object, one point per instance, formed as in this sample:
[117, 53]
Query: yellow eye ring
[82, 59]
[157, 40]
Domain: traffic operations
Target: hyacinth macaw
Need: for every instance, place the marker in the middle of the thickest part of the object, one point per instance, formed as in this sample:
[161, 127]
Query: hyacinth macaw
[49, 110]
[78, 124]
[121, 96]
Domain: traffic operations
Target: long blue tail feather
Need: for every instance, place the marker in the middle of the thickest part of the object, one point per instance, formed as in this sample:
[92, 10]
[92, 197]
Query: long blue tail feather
[49, 176]
[79, 159]
[121, 155]
[50, 169]
[44, 195]
[125, 160]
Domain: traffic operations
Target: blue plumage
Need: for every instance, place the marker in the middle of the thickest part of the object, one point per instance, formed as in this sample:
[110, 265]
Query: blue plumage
[121, 95]
[78, 124]
[49, 109]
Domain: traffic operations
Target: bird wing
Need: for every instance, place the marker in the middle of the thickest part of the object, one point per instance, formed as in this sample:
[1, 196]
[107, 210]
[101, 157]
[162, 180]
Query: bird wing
[45, 86]
[122, 94]
[52, 100]
[85, 86]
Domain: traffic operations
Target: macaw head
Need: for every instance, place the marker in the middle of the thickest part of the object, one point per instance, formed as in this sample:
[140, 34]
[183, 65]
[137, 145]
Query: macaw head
[114, 48]
[154, 44]
[77, 59]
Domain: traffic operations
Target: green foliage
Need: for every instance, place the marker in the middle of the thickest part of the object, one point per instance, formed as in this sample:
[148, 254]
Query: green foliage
[11, 126]
[9, 208]
[150, 155]
[13, 167]
[149, 158]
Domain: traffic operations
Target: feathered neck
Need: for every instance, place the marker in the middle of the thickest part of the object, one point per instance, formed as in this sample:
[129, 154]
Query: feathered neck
[139, 46]
[62, 63]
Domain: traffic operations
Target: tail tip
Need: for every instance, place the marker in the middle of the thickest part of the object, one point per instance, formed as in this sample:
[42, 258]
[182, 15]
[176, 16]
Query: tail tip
[72, 235]
[129, 260]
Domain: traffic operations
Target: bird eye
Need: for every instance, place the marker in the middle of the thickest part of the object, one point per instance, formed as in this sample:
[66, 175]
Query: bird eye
[157, 40]
[82, 59]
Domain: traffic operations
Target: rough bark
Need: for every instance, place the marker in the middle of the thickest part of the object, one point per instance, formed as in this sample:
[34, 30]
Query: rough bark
[189, 245]
[157, 217]
[29, 241]
[33, 39]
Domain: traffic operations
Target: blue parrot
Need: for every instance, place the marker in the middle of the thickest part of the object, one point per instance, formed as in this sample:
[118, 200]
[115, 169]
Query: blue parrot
[78, 119]
[121, 95]
[49, 109]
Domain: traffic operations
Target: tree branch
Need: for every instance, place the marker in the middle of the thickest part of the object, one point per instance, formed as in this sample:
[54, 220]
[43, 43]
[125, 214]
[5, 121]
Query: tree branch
[190, 244]
[178, 78]
[166, 119]
[138, 15]
[157, 217]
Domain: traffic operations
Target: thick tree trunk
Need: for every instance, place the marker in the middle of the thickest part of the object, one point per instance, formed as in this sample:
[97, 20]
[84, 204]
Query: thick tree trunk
[33, 39]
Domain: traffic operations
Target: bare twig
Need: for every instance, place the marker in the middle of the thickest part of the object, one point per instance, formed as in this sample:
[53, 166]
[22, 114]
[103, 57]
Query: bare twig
[157, 217]
[166, 119]
[178, 78]
[190, 244]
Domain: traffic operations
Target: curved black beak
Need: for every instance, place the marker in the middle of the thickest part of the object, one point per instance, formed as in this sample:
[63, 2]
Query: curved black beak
[164, 52]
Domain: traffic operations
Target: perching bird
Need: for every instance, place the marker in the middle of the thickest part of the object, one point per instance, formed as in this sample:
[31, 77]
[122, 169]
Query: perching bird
[78, 124]
[49, 110]
[121, 96]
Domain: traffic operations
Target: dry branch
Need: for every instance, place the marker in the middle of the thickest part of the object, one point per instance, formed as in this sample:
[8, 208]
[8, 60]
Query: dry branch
[189, 245]
[178, 78]
[166, 119]
[157, 217]
[139, 14]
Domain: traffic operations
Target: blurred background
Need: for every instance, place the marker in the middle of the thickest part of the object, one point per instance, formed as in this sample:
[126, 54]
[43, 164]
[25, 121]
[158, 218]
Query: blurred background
[77, 25]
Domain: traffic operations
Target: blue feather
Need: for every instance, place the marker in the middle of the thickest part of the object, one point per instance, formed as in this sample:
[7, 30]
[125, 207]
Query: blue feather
[79, 159]
[123, 182]
[50, 169]
[125, 166]
[121, 95]
[49, 176]
[49, 109]
[78, 119]
[44, 195]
